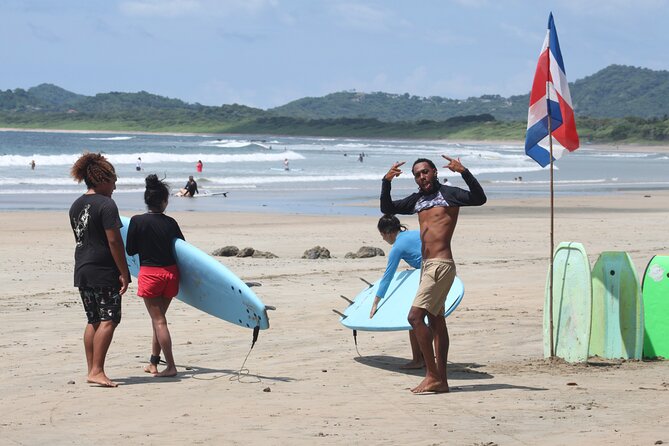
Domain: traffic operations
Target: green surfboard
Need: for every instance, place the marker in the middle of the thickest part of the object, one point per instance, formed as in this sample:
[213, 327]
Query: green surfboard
[572, 303]
[617, 308]
[656, 308]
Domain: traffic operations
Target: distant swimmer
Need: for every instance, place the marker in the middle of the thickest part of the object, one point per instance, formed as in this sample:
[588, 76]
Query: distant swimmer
[286, 166]
[32, 165]
[198, 166]
[138, 166]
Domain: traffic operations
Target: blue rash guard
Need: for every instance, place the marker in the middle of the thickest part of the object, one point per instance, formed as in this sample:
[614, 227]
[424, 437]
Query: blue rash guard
[407, 247]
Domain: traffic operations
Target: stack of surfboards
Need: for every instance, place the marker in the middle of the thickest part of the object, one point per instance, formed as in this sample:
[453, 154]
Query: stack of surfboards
[596, 311]
[209, 286]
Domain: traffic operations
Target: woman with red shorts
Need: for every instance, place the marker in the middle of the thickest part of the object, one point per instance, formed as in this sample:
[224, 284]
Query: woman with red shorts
[151, 235]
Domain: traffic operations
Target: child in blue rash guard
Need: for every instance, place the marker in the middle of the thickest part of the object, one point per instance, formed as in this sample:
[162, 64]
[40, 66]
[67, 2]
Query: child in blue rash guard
[405, 246]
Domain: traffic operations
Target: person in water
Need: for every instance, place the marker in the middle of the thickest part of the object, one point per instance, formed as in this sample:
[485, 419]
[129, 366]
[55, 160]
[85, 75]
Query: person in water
[405, 246]
[100, 269]
[437, 206]
[151, 236]
[190, 189]
[198, 166]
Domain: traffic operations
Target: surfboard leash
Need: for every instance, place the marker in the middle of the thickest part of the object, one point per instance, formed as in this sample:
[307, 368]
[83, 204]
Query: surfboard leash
[355, 341]
[243, 372]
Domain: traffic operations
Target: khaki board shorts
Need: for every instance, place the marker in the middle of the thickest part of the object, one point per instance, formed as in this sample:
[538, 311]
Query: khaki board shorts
[436, 279]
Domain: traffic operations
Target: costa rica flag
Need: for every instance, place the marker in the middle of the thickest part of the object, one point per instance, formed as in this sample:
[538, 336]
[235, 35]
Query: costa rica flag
[550, 99]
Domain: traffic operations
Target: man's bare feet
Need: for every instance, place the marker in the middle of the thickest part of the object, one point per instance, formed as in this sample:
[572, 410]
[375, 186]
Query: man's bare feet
[101, 379]
[431, 385]
[167, 373]
[413, 365]
[151, 368]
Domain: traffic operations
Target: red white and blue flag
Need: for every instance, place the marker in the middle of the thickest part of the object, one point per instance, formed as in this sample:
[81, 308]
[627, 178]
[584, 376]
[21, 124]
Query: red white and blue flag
[550, 98]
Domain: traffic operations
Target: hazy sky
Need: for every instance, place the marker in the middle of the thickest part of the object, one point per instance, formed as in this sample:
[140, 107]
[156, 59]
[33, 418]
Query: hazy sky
[264, 53]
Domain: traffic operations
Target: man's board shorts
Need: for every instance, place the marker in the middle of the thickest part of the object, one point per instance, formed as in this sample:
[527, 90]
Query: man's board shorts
[158, 281]
[101, 304]
[436, 279]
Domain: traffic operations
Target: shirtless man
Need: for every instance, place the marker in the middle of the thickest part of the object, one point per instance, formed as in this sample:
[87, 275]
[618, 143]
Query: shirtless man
[437, 207]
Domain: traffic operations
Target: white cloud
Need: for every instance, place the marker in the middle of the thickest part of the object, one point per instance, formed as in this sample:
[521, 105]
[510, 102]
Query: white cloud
[178, 8]
[366, 18]
[613, 7]
[159, 8]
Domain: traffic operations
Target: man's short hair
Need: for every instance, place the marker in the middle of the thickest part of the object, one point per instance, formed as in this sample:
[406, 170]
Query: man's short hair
[423, 160]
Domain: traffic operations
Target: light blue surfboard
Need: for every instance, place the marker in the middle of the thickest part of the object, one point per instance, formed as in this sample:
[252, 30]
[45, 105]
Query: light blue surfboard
[617, 308]
[392, 310]
[209, 286]
[572, 303]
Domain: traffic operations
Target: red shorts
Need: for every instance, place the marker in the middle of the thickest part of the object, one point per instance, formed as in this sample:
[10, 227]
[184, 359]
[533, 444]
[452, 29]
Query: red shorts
[158, 281]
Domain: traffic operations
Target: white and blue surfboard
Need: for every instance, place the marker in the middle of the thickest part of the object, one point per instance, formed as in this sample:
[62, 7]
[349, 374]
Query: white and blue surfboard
[209, 286]
[392, 311]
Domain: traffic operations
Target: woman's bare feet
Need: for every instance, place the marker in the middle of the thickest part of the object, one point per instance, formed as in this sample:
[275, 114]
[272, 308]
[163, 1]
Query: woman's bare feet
[167, 373]
[431, 385]
[151, 368]
[414, 364]
[101, 379]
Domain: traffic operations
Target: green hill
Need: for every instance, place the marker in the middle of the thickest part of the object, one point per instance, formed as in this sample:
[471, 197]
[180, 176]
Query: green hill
[618, 103]
[615, 92]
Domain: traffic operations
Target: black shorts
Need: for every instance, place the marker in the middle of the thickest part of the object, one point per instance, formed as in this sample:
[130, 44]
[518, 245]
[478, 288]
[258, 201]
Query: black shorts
[101, 304]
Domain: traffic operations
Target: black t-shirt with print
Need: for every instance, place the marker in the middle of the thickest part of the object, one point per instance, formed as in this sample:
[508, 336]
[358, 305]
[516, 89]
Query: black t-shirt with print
[150, 235]
[90, 216]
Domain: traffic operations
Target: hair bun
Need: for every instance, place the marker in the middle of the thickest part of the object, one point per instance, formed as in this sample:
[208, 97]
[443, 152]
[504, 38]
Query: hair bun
[152, 181]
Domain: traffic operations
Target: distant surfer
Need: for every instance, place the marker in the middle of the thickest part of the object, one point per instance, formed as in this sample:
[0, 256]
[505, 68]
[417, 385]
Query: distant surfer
[405, 246]
[437, 207]
[198, 166]
[190, 189]
[138, 166]
[100, 269]
[150, 235]
[32, 165]
[286, 166]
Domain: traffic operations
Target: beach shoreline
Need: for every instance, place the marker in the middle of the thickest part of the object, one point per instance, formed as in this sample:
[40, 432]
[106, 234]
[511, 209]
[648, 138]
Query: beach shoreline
[306, 382]
[622, 147]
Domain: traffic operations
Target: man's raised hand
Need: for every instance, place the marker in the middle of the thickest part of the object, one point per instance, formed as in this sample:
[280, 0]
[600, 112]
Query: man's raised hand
[454, 164]
[394, 171]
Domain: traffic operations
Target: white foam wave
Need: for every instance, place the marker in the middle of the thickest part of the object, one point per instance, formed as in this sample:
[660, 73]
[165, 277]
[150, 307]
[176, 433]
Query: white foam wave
[112, 138]
[150, 158]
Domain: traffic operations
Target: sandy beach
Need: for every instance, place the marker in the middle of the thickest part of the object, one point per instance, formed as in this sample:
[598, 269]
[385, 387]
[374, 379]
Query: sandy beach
[306, 383]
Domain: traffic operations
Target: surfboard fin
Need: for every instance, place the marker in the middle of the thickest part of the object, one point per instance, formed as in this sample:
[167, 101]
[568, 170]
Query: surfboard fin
[350, 302]
[252, 284]
[368, 284]
[269, 307]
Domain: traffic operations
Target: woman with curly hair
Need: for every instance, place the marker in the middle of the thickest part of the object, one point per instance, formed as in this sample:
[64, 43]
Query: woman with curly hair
[100, 268]
[151, 235]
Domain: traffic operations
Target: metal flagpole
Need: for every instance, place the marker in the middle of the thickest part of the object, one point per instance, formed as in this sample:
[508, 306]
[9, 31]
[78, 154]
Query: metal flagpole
[550, 144]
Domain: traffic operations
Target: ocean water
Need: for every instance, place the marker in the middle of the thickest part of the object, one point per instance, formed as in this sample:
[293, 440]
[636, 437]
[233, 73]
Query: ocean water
[326, 175]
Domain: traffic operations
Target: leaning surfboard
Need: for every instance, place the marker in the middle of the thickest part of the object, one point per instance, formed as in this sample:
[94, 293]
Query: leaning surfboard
[572, 303]
[209, 286]
[617, 308]
[392, 310]
[656, 308]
